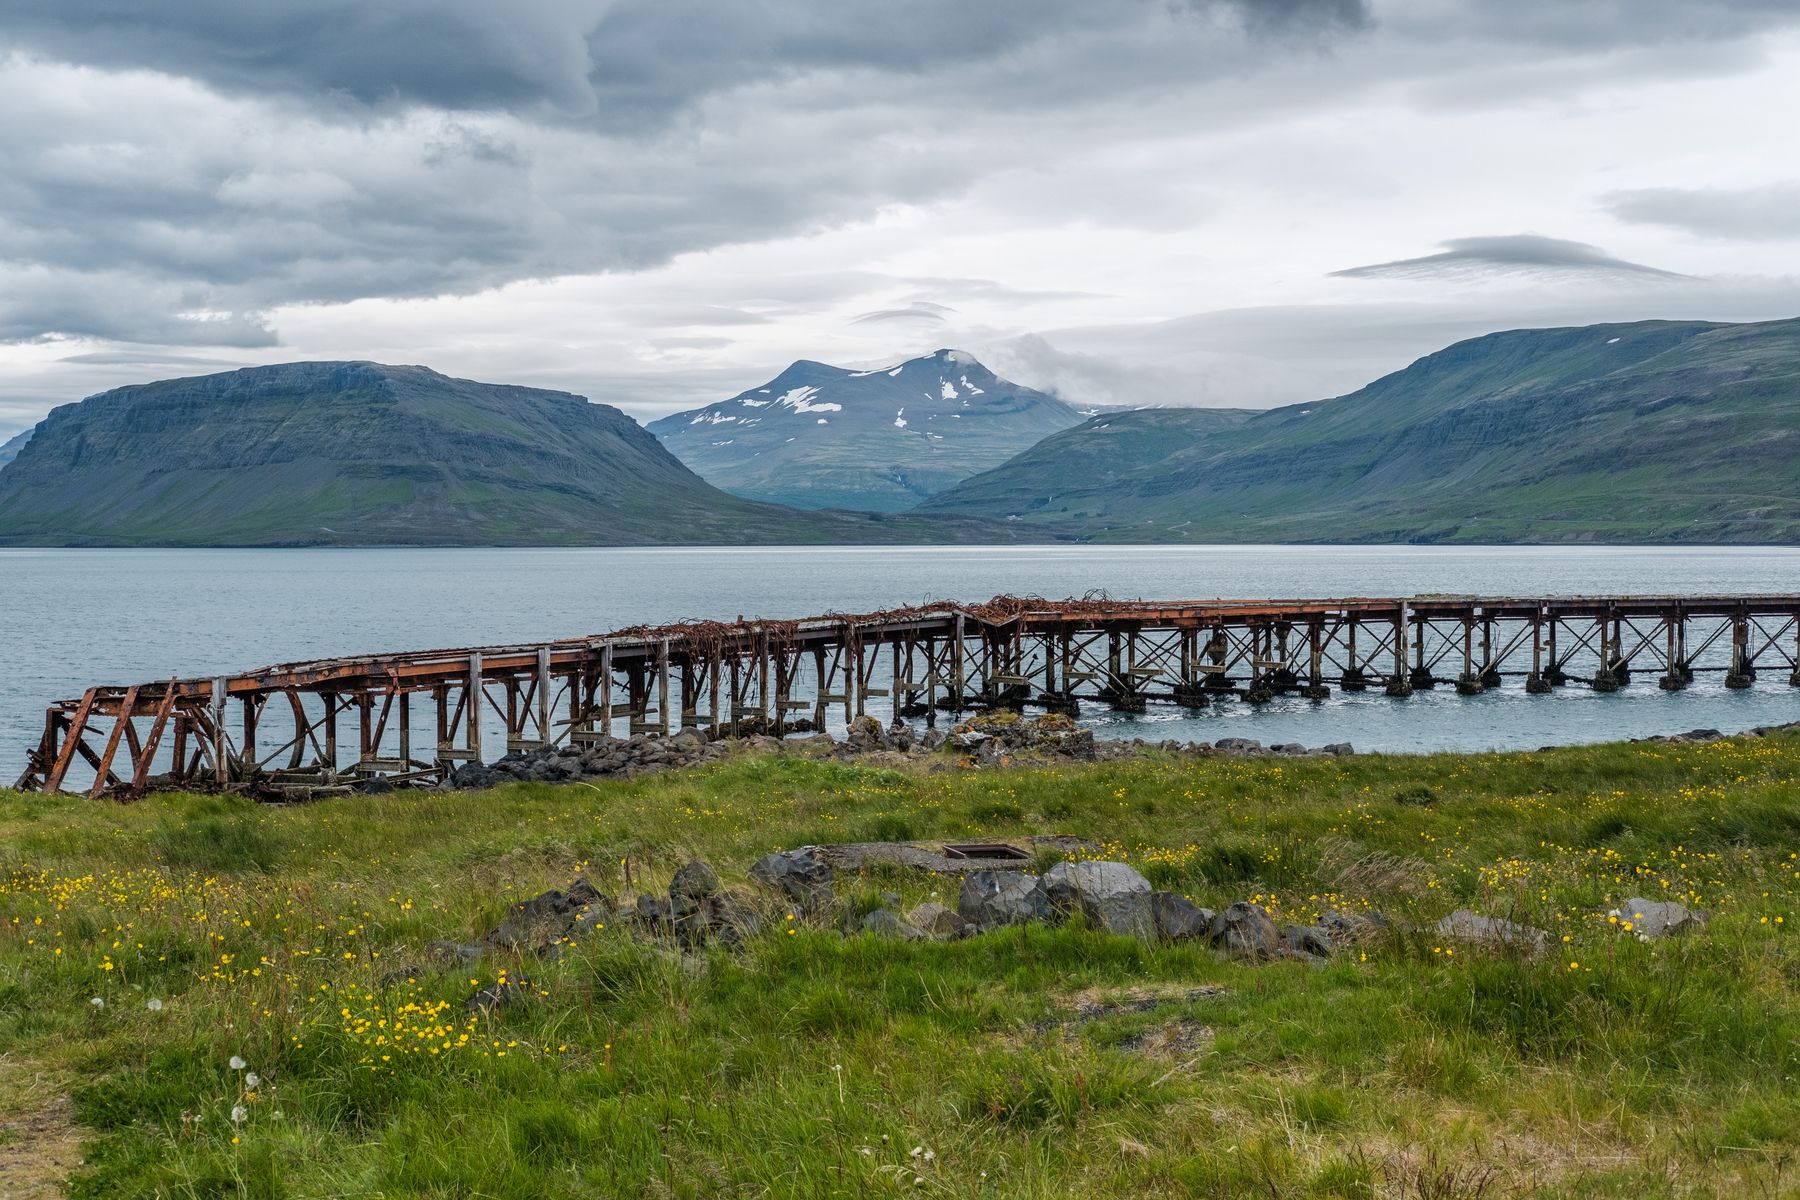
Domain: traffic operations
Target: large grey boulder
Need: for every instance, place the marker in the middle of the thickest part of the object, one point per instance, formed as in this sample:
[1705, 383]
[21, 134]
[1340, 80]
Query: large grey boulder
[1466, 926]
[990, 899]
[1246, 931]
[1178, 918]
[1658, 918]
[936, 920]
[536, 924]
[1111, 895]
[866, 734]
[800, 875]
[695, 881]
[1350, 928]
[884, 922]
[1314, 941]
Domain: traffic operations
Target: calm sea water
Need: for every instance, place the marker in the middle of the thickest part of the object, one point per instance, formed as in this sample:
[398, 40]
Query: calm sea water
[72, 618]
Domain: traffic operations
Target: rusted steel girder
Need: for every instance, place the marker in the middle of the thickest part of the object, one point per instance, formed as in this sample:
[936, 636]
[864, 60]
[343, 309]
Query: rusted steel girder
[736, 678]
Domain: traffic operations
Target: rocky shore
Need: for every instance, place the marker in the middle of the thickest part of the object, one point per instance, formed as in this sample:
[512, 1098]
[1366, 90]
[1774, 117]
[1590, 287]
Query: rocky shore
[991, 739]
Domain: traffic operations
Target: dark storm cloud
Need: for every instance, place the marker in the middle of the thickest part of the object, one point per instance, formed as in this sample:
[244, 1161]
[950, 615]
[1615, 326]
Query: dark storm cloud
[286, 153]
[1511, 254]
[446, 53]
[1767, 213]
[1601, 24]
[171, 172]
[619, 61]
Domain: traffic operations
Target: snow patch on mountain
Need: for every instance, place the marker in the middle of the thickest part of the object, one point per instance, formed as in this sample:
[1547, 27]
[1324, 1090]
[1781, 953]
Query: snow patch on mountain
[800, 400]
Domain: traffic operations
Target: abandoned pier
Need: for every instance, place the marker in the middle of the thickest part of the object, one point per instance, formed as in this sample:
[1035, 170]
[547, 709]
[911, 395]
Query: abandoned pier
[418, 715]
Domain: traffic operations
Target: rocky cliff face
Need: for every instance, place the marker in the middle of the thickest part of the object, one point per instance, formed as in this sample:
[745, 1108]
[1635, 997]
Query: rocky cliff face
[350, 453]
[1657, 431]
[819, 436]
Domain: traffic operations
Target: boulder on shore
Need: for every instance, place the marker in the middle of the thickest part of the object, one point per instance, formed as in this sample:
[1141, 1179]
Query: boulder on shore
[1111, 895]
[1178, 918]
[1466, 926]
[1246, 931]
[937, 920]
[990, 899]
[800, 875]
[1658, 918]
[885, 922]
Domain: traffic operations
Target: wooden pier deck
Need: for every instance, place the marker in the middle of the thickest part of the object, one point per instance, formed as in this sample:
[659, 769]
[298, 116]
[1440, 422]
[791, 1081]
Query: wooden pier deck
[417, 715]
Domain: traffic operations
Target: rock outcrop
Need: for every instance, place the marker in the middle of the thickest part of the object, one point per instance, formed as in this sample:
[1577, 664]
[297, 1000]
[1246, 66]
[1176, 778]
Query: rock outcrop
[1111, 895]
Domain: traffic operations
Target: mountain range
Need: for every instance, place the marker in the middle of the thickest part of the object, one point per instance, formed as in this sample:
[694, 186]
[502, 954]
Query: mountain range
[818, 436]
[1656, 431]
[357, 453]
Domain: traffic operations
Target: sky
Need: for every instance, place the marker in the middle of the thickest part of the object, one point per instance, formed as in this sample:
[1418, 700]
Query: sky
[659, 203]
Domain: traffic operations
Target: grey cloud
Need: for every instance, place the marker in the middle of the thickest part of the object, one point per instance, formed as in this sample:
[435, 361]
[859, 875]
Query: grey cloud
[1511, 254]
[620, 63]
[147, 358]
[1286, 354]
[466, 54]
[319, 152]
[1767, 213]
[990, 289]
[119, 306]
[677, 344]
[1595, 25]
[702, 314]
[923, 311]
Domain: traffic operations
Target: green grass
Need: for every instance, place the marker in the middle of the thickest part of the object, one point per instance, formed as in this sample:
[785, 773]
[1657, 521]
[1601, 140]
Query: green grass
[812, 1064]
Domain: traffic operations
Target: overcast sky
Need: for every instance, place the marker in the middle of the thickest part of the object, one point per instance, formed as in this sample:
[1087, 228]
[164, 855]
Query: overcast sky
[657, 203]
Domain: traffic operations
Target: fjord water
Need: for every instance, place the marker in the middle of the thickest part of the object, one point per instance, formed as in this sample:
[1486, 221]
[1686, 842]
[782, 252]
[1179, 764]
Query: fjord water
[73, 618]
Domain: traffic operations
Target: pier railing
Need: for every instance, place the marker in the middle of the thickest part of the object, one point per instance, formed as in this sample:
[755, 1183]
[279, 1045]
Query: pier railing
[417, 715]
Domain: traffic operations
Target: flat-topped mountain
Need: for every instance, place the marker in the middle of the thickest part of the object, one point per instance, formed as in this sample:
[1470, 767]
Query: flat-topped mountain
[1656, 431]
[357, 453]
[818, 436]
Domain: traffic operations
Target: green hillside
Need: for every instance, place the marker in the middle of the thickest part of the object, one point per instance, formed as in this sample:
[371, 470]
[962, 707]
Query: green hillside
[363, 454]
[1657, 431]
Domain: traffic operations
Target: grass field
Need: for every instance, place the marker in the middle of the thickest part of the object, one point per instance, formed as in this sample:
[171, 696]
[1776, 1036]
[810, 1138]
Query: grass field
[218, 1000]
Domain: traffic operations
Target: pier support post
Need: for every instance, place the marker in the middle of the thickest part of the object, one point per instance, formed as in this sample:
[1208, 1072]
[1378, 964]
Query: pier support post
[1469, 682]
[1604, 679]
[1422, 679]
[1399, 684]
[1315, 688]
[1676, 673]
[1743, 669]
[1535, 683]
[471, 713]
[221, 755]
[1354, 679]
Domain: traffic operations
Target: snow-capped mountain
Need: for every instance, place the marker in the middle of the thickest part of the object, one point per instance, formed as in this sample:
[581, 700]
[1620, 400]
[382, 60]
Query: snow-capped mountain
[819, 436]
